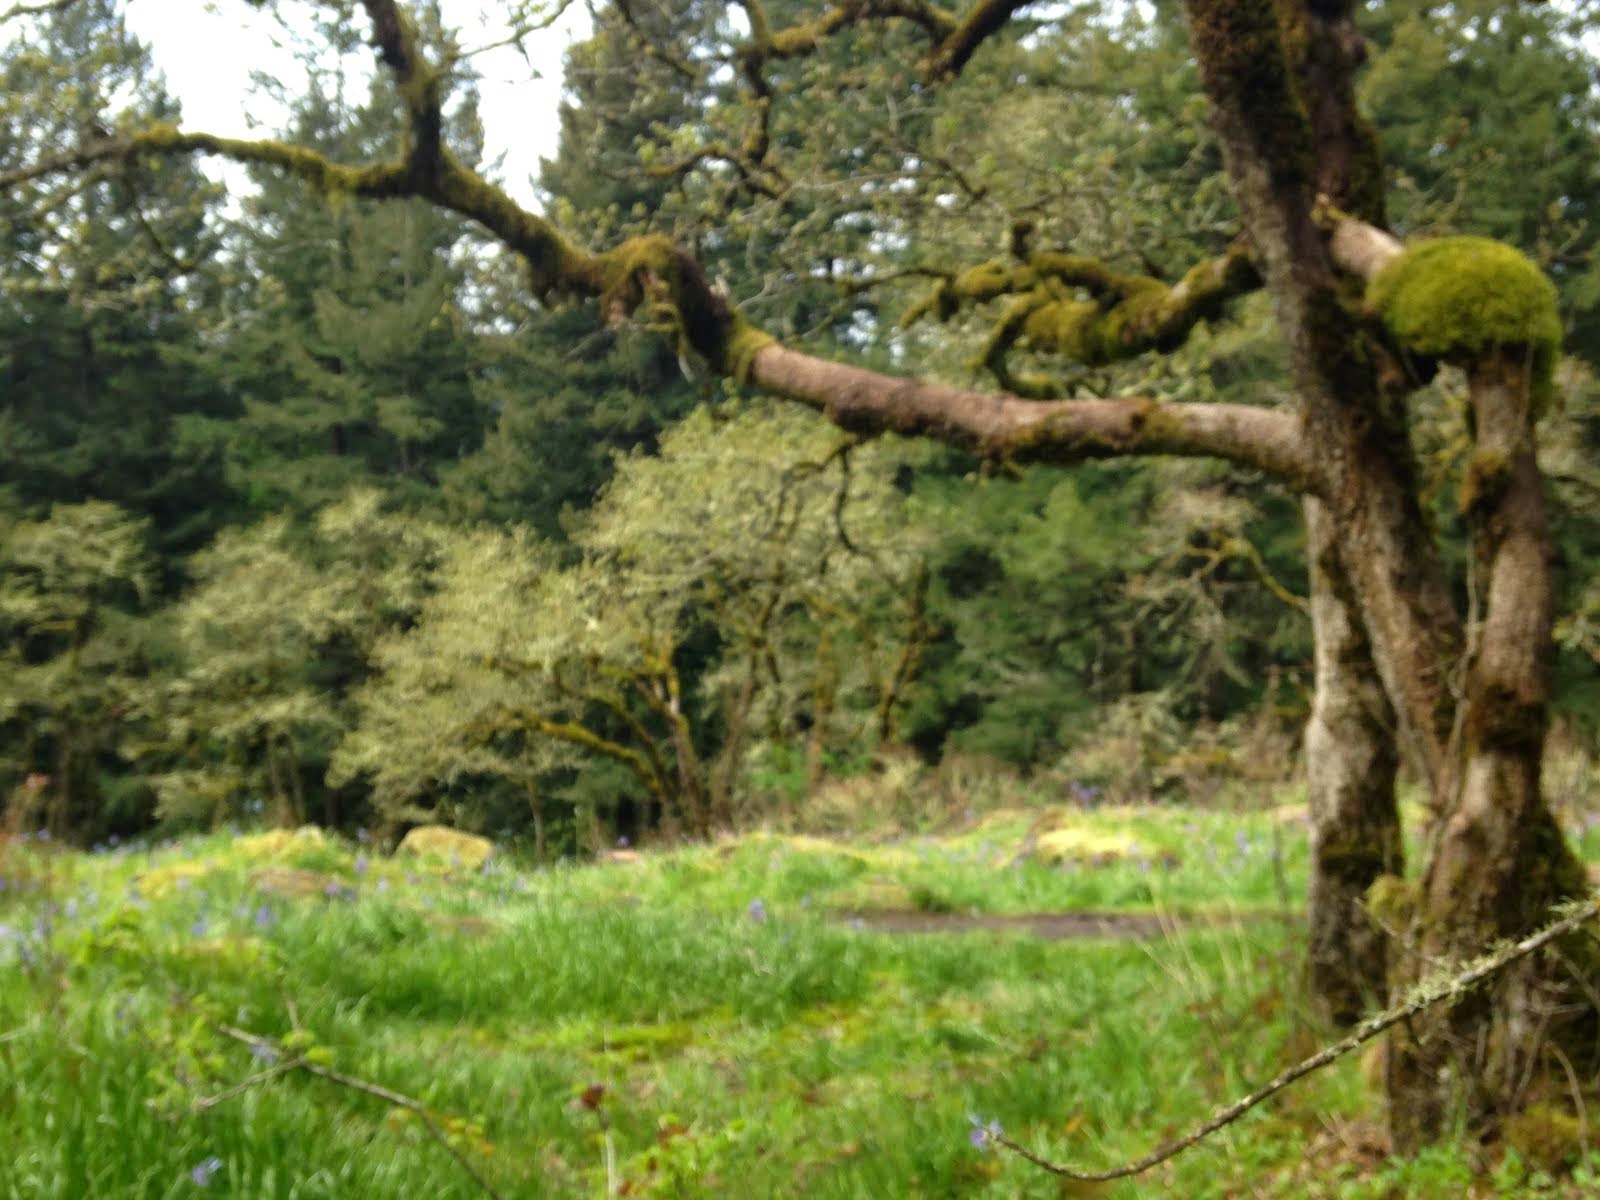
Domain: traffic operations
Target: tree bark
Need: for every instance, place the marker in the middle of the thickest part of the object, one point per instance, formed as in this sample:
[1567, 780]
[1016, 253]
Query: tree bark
[1277, 74]
[1351, 762]
[1500, 861]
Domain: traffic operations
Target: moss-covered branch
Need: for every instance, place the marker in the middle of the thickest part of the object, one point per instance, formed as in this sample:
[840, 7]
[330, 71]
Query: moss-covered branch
[1082, 309]
[653, 273]
[36, 10]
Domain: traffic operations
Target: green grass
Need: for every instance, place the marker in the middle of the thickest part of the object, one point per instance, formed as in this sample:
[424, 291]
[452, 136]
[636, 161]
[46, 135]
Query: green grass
[791, 1055]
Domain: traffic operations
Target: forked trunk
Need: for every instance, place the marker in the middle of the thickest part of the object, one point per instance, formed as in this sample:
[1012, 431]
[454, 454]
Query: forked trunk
[1278, 74]
[1500, 860]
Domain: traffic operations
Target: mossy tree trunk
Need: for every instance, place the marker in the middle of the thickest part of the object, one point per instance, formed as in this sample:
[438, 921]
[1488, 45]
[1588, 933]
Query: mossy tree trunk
[1278, 78]
[1351, 762]
[1499, 859]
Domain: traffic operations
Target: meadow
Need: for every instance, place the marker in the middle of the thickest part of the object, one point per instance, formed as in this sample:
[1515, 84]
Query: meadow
[277, 1015]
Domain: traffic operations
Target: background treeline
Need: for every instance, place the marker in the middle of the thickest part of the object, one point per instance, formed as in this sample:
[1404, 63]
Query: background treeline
[307, 512]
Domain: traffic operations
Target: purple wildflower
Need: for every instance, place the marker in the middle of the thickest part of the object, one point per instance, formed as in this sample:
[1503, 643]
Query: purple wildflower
[202, 1172]
[264, 917]
[982, 1135]
[360, 864]
[201, 926]
[757, 910]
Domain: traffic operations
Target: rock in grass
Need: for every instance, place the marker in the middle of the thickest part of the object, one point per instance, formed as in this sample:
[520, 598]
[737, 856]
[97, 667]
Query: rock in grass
[459, 849]
[1084, 847]
[279, 843]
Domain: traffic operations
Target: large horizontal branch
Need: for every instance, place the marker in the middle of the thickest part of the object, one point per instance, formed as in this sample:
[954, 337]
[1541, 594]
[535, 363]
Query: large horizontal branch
[654, 273]
[1056, 431]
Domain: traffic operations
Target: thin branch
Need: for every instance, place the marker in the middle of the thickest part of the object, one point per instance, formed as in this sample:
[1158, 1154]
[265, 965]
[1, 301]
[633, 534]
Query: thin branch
[982, 21]
[206, 1103]
[1425, 995]
[415, 1107]
[36, 10]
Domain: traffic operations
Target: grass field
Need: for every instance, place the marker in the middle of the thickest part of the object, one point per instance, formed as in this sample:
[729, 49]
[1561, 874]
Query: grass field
[724, 1020]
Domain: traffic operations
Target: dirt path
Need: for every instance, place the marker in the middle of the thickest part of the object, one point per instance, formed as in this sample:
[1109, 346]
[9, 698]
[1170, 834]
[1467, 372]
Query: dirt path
[1052, 926]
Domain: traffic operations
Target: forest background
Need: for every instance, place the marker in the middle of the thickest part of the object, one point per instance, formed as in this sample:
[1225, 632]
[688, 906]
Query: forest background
[307, 512]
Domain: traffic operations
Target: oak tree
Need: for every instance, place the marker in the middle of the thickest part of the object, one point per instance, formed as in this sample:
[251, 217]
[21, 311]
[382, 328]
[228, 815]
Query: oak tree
[1402, 670]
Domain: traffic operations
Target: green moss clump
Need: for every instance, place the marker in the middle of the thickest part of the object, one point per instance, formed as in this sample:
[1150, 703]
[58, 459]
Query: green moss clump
[1392, 901]
[1061, 327]
[1457, 297]
[1487, 474]
[988, 280]
[744, 342]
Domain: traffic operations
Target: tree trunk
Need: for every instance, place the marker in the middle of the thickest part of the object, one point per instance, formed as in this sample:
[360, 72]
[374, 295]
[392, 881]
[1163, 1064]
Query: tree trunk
[1500, 861]
[1350, 776]
[1277, 74]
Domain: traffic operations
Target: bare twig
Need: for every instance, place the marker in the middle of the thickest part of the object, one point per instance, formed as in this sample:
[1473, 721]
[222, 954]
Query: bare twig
[244, 1085]
[1425, 995]
[415, 1107]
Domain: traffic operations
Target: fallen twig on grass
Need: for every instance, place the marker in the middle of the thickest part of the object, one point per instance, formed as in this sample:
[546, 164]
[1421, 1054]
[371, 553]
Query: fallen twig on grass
[292, 1062]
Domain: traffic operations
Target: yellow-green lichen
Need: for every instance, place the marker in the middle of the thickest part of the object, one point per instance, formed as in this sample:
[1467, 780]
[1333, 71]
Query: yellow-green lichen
[1458, 297]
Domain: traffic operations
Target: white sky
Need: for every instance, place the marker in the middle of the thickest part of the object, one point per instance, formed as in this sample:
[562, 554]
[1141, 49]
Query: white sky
[207, 52]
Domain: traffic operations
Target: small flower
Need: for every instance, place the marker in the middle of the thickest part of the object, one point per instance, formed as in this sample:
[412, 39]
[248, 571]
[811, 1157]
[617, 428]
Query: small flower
[202, 1172]
[264, 917]
[360, 864]
[200, 926]
[757, 910]
[983, 1135]
[623, 843]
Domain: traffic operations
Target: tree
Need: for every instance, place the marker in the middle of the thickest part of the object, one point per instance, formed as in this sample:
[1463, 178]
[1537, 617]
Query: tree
[273, 637]
[728, 596]
[70, 588]
[1363, 320]
[104, 280]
